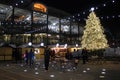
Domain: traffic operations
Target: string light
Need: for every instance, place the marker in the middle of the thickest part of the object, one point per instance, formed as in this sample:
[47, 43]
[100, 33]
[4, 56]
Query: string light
[78, 14]
[119, 16]
[83, 12]
[92, 9]
[22, 2]
[113, 1]
[104, 5]
[16, 4]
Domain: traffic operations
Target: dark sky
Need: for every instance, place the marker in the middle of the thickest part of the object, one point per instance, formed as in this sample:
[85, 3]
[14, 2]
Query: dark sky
[79, 6]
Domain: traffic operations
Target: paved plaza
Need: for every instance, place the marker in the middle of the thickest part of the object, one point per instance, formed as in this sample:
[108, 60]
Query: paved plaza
[108, 70]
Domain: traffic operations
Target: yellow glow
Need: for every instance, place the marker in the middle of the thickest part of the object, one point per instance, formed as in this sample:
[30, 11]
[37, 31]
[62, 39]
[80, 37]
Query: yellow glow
[40, 7]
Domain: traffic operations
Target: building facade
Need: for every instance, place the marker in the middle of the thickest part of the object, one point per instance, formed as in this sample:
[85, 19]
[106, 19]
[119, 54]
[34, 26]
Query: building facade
[37, 24]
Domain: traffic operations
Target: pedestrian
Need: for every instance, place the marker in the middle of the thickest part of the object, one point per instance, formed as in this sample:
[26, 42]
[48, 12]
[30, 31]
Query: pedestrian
[31, 57]
[52, 53]
[46, 58]
[26, 56]
[84, 55]
[76, 59]
[68, 55]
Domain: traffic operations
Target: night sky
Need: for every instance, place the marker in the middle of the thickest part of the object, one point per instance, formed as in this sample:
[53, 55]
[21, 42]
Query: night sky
[108, 9]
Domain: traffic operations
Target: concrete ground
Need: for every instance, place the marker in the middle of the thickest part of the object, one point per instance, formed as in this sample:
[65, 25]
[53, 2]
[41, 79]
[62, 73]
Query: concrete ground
[108, 70]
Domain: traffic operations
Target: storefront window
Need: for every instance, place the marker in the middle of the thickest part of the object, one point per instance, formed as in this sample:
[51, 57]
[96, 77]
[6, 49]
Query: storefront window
[39, 22]
[53, 24]
[74, 28]
[65, 26]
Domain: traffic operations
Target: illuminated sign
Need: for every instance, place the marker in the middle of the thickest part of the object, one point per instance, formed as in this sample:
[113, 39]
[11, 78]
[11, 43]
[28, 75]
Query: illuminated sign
[40, 7]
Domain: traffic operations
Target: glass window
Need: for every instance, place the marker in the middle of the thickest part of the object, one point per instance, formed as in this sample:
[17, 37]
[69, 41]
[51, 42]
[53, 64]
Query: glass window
[74, 28]
[65, 26]
[53, 24]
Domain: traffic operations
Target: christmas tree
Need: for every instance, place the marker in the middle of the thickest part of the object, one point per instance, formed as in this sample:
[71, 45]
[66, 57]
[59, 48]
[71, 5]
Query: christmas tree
[93, 36]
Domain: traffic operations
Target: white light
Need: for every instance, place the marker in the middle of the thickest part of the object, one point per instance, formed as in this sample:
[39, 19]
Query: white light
[85, 19]
[21, 1]
[88, 69]
[101, 17]
[83, 12]
[54, 24]
[36, 68]
[65, 46]
[76, 45]
[113, 16]
[102, 76]
[7, 65]
[30, 43]
[11, 7]
[113, 1]
[103, 69]
[49, 34]
[28, 18]
[68, 70]
[25, 70]
[84, 71]
[107, 17]
[57, 45]
[16, 4]
[21, 65]
[92, 9]
[96, 7]
[42, 44]
[58, 36]
[6, 8]
[78, 14]
[36, 73]
[104, 4]
[69, 18]
[36, 51]
[1, 11]
[103, 72]
[118, 15]
[52, 75]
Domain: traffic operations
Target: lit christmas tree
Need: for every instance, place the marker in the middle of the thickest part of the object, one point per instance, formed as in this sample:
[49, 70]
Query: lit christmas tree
[93, 37]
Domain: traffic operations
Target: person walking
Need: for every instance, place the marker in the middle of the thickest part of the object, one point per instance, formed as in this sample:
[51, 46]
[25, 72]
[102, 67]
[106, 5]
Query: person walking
[26, 57]
[84, 55]
[46, 58]
[31, 57]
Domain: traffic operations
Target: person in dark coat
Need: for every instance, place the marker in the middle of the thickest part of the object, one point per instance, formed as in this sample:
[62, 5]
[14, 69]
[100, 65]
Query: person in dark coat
[46, 58]
[31, 57]
[68, 55]
[84, 55]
